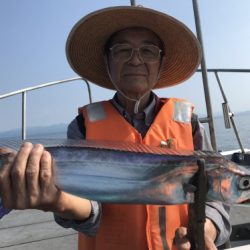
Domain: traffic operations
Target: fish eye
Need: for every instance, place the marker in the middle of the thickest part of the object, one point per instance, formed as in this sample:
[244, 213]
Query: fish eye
[244, 183]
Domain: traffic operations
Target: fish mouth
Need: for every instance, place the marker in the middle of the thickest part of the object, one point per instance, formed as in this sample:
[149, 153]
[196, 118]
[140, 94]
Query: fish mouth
[246, 202]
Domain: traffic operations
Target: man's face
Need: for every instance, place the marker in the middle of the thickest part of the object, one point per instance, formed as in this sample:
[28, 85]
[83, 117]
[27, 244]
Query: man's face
[137, 75]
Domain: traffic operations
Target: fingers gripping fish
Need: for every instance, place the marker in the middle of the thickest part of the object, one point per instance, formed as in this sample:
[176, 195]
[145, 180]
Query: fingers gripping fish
[131, 173]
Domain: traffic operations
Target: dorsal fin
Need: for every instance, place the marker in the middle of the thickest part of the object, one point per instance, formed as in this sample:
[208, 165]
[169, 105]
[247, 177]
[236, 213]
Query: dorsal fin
[112, 145]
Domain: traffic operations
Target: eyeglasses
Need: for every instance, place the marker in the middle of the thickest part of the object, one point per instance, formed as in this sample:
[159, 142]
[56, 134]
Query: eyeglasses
[124, 52]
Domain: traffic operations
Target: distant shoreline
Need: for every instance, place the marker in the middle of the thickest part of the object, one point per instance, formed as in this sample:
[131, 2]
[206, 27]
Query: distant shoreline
[52, 130]
[226, 139]
[63, 126]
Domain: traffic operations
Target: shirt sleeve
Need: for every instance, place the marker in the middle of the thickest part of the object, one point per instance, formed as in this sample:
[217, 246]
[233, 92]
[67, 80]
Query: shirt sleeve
[90, 225]
[200, 138]
[74, 131]
[218, 212]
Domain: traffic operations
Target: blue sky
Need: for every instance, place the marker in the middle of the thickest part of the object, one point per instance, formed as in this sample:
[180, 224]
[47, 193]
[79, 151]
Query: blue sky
[32, 51]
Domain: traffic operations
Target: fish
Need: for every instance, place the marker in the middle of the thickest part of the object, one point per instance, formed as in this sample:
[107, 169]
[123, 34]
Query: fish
[131, 173]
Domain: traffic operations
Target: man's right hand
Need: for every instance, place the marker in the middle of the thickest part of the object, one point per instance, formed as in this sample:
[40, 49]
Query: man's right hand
[27, 181]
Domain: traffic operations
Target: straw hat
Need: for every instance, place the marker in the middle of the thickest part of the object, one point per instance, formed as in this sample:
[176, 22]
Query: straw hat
[86, 43]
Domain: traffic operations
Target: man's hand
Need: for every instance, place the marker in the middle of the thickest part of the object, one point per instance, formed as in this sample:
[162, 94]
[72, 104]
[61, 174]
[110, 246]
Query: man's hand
[210, 235]
[27, 180]
[182, 242]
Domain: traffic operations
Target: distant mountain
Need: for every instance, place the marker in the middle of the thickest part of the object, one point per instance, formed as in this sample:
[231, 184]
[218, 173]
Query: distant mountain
[57, 130]
[243, 112]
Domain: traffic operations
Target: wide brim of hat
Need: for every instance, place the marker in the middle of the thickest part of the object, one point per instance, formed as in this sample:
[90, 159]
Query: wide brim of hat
[85, 48]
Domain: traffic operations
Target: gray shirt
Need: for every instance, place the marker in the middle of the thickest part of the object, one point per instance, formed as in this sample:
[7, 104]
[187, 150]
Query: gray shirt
[216, 211]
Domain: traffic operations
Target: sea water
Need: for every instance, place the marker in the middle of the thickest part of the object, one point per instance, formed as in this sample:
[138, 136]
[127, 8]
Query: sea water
[225, 138]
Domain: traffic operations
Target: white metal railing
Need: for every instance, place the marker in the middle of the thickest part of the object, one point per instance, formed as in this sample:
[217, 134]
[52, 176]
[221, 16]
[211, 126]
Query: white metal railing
[228, 114]
[24, 91]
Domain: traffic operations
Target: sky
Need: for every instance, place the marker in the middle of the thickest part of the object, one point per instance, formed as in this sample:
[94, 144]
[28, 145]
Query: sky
[32, 51]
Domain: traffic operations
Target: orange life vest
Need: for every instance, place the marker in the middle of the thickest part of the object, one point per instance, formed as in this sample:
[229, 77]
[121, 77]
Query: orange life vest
[139, 227]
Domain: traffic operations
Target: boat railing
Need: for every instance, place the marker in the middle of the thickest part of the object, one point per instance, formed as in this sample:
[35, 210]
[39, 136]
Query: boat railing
[227, 112]
[24, 91]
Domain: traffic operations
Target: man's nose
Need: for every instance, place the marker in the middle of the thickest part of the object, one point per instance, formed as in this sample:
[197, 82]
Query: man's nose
[135, 58]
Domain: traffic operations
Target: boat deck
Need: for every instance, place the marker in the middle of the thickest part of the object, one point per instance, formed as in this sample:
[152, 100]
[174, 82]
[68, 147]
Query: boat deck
[33, 229]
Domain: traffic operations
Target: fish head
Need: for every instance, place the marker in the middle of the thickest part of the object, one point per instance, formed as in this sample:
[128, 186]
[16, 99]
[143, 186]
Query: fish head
[236, 189]
[243, 186]
[229, 183]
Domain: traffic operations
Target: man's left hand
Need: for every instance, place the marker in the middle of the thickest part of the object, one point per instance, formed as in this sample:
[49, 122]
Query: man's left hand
[210, 233]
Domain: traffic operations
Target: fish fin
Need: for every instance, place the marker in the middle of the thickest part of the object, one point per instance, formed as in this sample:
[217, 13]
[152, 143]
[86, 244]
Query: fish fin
[134, 147]
[112, 145]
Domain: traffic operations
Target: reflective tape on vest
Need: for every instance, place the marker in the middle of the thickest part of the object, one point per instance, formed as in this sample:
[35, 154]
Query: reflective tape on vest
[182, 112]
[96, 112]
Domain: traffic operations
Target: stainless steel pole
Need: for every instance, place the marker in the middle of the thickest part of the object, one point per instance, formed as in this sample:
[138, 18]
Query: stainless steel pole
[133, 2]
[231, 115]
[89, 91]
[204, 76]
[24, 115]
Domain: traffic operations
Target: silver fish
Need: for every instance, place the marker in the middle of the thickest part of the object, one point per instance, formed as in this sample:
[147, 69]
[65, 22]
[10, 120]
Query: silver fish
[117, 172]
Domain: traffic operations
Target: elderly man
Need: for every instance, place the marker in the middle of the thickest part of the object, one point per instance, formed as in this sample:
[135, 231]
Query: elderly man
[132, 50]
